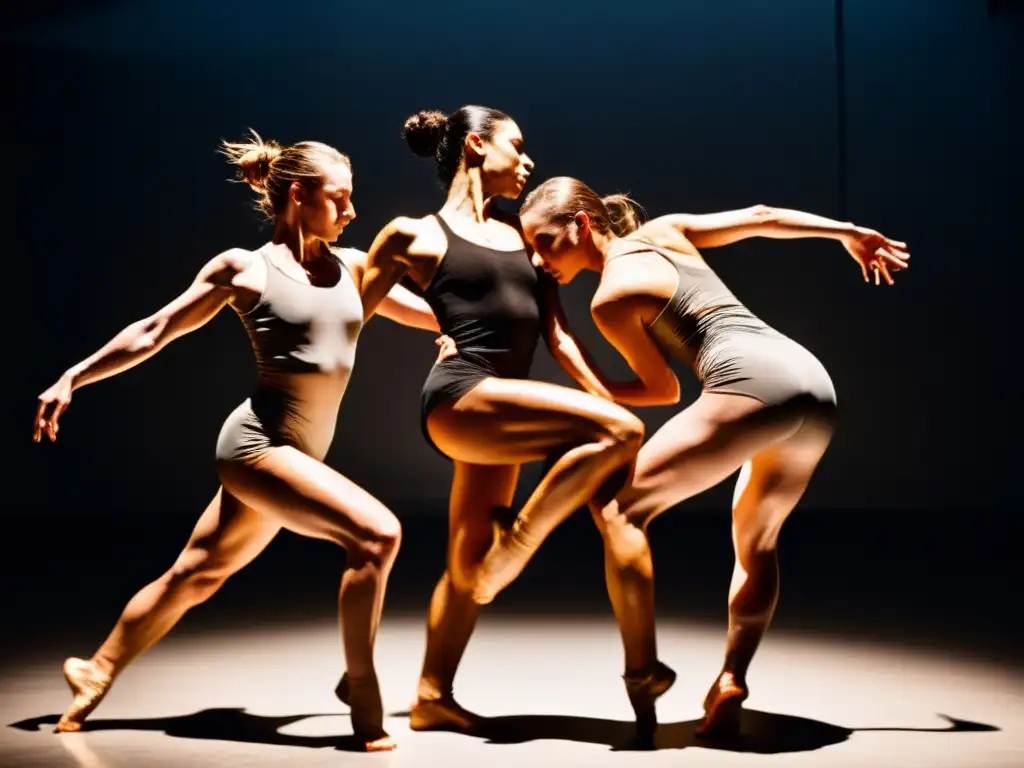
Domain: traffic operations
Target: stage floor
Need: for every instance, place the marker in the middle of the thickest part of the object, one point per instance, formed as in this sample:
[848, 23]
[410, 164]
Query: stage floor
[262, 696]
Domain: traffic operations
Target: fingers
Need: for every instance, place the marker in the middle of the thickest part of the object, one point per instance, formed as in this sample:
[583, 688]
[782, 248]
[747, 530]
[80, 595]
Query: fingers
[896, 260]
[884, 269]
[39, 423]
[864, 271]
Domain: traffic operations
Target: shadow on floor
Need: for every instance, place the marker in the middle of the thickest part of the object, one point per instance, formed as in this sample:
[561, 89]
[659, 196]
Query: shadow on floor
[762, 732]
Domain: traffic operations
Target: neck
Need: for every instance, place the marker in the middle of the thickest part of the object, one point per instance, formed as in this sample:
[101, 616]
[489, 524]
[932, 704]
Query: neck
[304, 249]
[599, 248]
[467, 197]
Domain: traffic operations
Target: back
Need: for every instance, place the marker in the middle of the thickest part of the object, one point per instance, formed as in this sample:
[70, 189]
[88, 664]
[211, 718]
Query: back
[702, 309]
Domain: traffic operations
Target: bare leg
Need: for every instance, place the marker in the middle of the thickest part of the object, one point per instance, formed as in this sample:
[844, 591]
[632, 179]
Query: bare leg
[308, 497]
[477, 490]
[228, 536]
[768, 489]
[693, 451]
[510, 421]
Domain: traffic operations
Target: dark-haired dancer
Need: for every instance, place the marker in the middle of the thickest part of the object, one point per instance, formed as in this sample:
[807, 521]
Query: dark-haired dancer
[767, 404]
[479, 408]
[300, 304]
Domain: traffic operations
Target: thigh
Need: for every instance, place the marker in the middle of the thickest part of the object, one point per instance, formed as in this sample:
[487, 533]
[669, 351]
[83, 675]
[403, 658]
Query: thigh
[227, 537]
[698, 448]
[306, 496]
[479, 492]
[514, 421]
[773, 481]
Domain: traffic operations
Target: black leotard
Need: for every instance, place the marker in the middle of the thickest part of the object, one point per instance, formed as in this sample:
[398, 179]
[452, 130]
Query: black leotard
[490, 303]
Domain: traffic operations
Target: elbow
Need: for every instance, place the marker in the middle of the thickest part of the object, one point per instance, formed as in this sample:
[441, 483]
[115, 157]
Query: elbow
[665, 393]
[764, 214]
[149, 335]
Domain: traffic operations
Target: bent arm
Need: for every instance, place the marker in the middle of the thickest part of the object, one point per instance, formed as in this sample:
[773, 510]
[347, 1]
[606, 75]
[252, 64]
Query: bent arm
[386, 262]
[621, 323]
[713, 230]
[203, 299]
[565, 348]
[403, 306]
[400, 304]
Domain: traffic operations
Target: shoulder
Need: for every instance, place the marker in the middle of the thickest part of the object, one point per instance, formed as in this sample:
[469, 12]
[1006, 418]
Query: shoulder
[223, 267]
[398, 235]
[353, 258]
[408, 226]
[628, 287]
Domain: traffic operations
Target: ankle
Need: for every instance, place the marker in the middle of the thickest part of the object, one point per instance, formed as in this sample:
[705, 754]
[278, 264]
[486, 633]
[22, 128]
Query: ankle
[432, 690]
[104, 668]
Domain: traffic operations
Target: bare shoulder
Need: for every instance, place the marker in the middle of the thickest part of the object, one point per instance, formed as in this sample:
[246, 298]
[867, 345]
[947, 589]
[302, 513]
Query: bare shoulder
[226, 265]
[634, 285]
[353, 258]
[669, 231]
[623, 284]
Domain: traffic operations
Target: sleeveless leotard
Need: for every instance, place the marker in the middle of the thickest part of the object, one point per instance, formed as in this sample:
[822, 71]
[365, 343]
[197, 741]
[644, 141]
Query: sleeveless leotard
[729, 348]
[304, 338]
[489, 302]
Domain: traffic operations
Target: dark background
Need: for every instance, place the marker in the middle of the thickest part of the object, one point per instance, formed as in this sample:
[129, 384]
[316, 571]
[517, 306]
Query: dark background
[900, 115]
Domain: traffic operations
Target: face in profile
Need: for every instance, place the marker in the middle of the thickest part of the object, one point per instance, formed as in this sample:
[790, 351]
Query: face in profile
[505, 163]
[327, 209]
[558, 249]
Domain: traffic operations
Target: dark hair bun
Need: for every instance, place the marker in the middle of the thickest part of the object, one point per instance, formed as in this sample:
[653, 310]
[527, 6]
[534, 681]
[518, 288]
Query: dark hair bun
[424, 131]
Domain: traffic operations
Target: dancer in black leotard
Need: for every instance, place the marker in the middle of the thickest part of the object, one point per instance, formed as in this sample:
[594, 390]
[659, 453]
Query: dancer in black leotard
[300, 303]
[479, 409]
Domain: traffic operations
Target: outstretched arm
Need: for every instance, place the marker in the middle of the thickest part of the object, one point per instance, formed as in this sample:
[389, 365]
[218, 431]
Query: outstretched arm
[400, 304]
[209, 292]
[870, 249]
[205, 297]
[712, 230]
[564, 346]
[621, 322]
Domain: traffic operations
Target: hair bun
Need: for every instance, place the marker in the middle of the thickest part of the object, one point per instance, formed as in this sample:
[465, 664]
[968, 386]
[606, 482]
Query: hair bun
[625, 215]
[424, 132]
[254, 165]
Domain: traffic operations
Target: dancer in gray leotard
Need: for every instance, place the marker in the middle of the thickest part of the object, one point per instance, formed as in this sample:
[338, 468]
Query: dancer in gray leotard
[767, 406]
[300, 303]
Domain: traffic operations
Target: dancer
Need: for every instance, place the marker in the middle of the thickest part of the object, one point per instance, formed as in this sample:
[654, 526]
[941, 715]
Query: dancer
[300, 304]
[478, 407]
[767, 405]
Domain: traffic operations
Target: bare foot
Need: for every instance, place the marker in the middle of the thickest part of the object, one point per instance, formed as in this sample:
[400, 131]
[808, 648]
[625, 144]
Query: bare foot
[722, 707]
[88, 687]
[442, 714]
[506, 559]
[643, 691]
[367, 711]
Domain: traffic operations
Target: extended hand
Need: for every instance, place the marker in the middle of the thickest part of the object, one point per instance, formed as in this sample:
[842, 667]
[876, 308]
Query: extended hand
[877, 253]
[52, 403]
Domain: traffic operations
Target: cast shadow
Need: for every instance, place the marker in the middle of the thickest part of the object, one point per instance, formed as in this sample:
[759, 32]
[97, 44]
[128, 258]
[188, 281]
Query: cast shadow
[765, 733]
[234, 724]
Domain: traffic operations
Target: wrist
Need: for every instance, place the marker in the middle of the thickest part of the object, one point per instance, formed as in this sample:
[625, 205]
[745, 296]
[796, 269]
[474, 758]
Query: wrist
[73, 376]
[846, 231]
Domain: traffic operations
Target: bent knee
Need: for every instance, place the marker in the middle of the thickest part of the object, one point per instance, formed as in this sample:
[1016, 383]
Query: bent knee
[380, 544]
[626, 432]
[465, 577]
